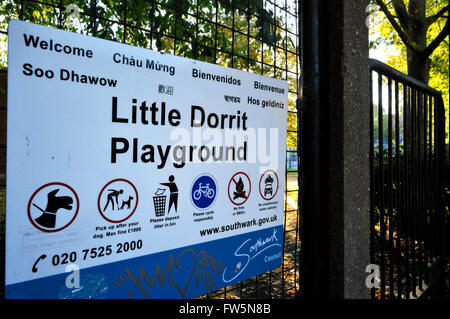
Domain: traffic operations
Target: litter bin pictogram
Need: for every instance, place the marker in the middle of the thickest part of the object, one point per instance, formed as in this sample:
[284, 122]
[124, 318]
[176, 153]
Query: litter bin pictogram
[159, 201]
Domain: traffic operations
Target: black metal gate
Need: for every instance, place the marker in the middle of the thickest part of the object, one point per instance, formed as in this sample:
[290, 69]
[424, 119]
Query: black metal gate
[258, 36]
[409, 163]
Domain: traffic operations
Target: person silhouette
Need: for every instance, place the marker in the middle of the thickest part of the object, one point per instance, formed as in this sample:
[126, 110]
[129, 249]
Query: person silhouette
[173, 198]
[113, 194]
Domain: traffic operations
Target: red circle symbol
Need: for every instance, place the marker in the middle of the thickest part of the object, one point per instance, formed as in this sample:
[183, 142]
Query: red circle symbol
[268, 187]
[239, 188]
[30, 202]
[100, 196]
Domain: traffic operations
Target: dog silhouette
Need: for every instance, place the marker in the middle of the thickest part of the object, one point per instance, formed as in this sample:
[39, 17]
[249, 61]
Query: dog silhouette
[54, 203]
[127, 203]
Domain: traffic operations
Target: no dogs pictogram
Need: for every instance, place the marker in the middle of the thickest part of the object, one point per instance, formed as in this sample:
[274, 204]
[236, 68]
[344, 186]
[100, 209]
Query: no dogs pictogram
[239, 188]
[53, 207]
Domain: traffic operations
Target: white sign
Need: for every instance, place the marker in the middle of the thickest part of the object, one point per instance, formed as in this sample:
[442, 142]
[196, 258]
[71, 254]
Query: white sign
[128, 163]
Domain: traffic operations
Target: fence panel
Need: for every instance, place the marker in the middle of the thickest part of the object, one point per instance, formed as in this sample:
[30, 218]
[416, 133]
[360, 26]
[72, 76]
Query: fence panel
[409, 186]
[259, 36]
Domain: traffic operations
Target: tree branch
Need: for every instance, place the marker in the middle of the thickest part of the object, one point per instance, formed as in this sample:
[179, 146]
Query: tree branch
[432, 19]
[400, 9]
[441, 37]
[394, 23]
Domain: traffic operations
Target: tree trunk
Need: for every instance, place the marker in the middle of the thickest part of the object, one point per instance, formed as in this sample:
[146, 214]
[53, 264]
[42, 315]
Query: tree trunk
[418, 66]
[415, 24]
[418, 62]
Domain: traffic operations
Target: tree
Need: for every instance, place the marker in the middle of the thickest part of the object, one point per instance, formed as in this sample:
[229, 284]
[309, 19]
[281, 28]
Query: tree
[383, 32]
[170, 26]
[413, 20]
[167, 25]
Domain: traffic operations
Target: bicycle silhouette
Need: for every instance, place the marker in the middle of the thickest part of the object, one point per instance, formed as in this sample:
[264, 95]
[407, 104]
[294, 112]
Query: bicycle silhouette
[203, 190]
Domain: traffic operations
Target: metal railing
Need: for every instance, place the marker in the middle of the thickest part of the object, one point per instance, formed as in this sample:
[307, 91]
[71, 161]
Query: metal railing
[410, 222]
[259, 36]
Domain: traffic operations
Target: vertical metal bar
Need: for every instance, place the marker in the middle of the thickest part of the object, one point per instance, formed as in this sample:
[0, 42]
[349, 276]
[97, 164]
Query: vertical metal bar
[262, 72]
[262, 54]
[232, 36]
[285, 48]
[22, 2]
[389, 189]
[60, 14]
[382, 186]
[421, 142]
[417, 225]
[175, 38]
[372, 182]
[275, 45]
[241, 284]
[314, 259]
[195, 46]
[440, 123]
[448, 199]
[297, 125]
[436, 241]
[283, 266]
[424, 250]
[407, 139]
[152, 32]
[270, 273]
[300, 140]
[215, 31]
[430, 181]
[433, 179]
[124, 40]
[94, 27]
[426, 190]
[283, 283]
[399, 190]
[249, 16]
[413, 187]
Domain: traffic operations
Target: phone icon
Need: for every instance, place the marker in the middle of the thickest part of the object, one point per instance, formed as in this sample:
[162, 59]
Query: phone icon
[34, 269]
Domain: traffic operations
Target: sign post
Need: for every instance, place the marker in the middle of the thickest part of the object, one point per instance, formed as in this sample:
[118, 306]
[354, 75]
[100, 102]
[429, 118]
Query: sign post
[137, 169]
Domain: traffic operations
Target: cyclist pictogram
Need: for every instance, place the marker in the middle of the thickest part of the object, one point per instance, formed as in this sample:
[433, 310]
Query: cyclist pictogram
[204, 191]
